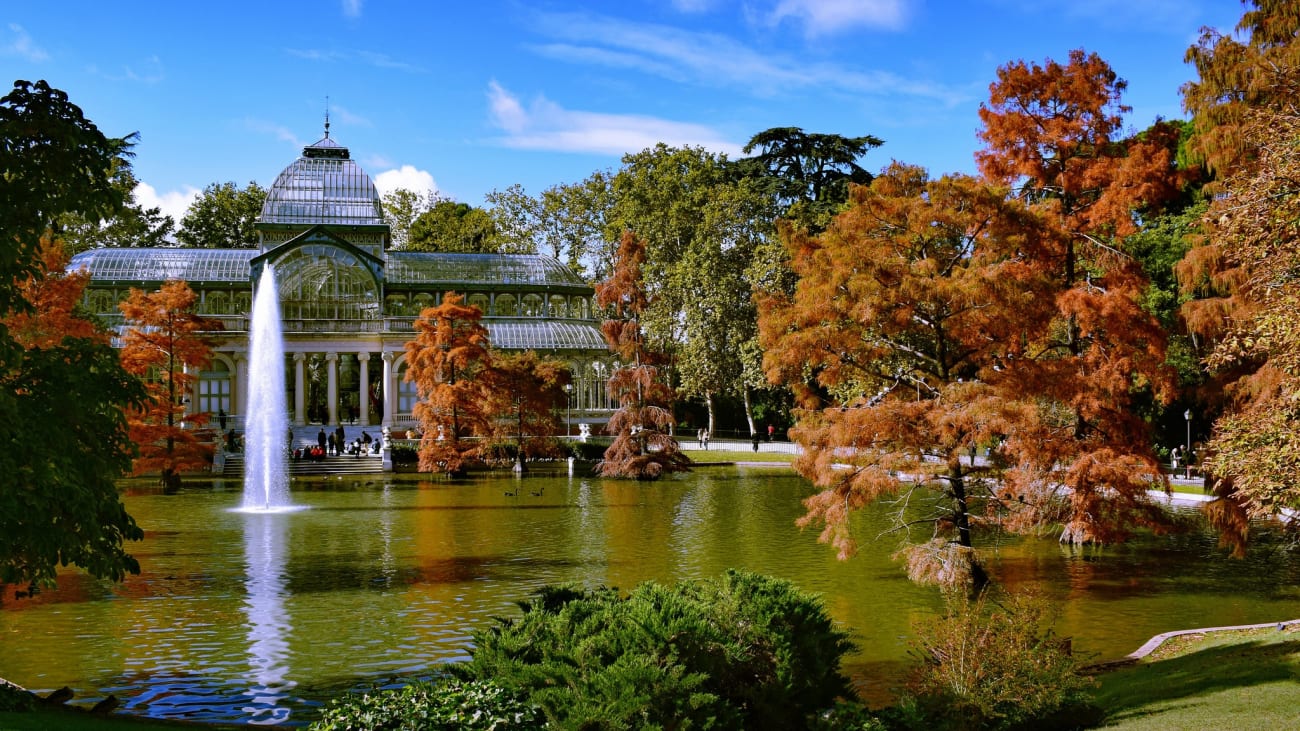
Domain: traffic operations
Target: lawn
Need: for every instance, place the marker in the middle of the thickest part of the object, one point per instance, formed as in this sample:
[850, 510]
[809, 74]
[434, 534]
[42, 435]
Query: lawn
[1221, 680]
[720, 456]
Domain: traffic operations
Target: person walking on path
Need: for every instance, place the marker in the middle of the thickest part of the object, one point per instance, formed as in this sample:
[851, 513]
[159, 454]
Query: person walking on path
[754, 438]
[320, 439]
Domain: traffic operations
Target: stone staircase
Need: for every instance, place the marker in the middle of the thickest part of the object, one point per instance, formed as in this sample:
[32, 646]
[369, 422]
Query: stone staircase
[305, 436]
[330, 466]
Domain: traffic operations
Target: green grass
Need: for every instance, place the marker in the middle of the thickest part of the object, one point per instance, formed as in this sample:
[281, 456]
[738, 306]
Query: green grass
[1221, 680]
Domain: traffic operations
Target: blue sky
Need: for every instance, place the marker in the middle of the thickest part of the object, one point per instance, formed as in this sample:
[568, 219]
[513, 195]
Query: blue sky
[467, 97]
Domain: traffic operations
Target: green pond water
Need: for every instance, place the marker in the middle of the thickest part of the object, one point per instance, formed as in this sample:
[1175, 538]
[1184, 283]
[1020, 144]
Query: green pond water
[260, 618]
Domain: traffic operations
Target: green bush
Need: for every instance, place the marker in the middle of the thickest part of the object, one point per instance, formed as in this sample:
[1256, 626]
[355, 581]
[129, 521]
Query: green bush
[742, 651]
[445, 704]
[402, 454]
[994, 665]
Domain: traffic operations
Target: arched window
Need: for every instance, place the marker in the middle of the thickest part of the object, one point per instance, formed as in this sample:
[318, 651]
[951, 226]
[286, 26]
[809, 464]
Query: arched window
[243, 302]
[559, 306]
[217, 303]
[323, 282]
[420, 302]
[505, 306]
[532, 305]
[396, 304]
[478, 300]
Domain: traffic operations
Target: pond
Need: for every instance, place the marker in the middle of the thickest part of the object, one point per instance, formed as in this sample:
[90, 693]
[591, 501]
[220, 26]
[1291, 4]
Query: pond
[259, 618]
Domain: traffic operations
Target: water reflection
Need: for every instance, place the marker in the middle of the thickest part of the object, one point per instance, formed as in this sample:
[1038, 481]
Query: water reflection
[257, 618]
[265, 541]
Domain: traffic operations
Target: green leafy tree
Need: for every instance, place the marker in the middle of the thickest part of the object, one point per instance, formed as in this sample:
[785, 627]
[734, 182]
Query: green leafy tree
[62, 398]
[401, 208]
[133, 226]
[567, 221]
[457, 227]
[808, 173]
[223, 217]
[690, 212]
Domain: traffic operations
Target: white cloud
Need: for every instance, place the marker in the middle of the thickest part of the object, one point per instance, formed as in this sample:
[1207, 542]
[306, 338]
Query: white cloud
[352, 8]
[713, 59]
[147, 71]
[544, 125]
[825, 17]
[172, 203]
[409, 177]
[21, 44]
[278, 131]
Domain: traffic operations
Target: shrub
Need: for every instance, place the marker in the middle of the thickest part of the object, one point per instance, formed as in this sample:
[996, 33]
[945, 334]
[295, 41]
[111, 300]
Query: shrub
[994, 665]
[742, 651]
[445, 704]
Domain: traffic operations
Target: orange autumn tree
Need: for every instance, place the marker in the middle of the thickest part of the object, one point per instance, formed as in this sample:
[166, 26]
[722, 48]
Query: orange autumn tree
[888, 343]
[450, 365]
[162, 346]
[1088, 349]
[524, 403]
[643, 447]
[1240, 274]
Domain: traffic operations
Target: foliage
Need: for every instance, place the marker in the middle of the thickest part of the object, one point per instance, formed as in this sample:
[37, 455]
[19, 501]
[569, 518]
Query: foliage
[456, 227]
[995, 665]
[740, 651]
[889, 344]
[1085, 349]
[444, 704]
[63, 389]
[55, 162]
[401, 208]
[567, 221]
[449, 362]
[525, 402]
[223, 217]
[13, 698]
[809, 174]
[131, 226]
[643, 447]
[1243, 272]
[701, 225]
[163, 346]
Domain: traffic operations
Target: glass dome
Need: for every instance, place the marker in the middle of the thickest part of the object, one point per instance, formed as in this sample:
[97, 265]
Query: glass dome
[323, 186]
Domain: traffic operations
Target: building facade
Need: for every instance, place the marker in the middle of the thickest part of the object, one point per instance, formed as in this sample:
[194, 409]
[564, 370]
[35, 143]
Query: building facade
[348, 301]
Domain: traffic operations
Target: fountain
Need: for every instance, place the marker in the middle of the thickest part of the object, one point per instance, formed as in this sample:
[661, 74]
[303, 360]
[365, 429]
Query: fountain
[266, 423]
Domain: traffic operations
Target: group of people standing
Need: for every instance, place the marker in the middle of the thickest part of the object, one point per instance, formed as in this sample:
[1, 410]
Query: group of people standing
[336, 443]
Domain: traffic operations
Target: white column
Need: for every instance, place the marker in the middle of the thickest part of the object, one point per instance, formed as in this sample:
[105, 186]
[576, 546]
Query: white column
[239, 399]
[332, 387]
[363, 398]
[390, 389]
[299, 389]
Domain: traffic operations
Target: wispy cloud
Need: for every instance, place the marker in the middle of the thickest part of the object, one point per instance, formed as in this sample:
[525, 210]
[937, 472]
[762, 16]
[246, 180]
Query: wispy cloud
[271, 129]
[146, 71]
[713, 59]
[544, 125]
[370, 58]
[827, 17]
[20, 44]
[347, 117]
[352, 8]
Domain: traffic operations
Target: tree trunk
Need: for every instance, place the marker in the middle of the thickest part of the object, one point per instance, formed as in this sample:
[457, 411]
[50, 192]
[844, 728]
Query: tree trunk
[708, 401]
[749, 410]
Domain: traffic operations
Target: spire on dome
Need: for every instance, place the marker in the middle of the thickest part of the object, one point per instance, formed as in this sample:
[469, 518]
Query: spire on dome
[327, 117]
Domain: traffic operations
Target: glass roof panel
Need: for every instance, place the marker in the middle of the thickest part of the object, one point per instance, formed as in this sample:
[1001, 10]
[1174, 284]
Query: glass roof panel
[158, 265]
[419, 267]
[544, 335]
